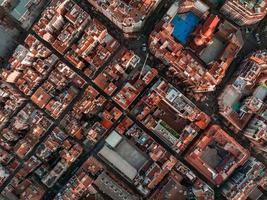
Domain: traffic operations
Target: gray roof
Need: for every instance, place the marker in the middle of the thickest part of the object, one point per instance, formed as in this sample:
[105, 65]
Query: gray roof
[255, 194]
[113, 139]
[110, 187]
[211, 157]
[116, 160]
[261, 92]
[212, 52]
[230, 96]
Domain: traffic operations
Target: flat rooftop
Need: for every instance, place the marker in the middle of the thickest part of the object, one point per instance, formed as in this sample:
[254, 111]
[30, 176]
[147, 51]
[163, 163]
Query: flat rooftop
[20, 9]
[118, 162]
[123, 155]
[230, 96]
[216, 155]
[8, 40]
[212, 52]
[130, 154]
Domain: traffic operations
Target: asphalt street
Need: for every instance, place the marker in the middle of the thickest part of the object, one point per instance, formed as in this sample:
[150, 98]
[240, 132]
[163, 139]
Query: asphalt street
[209, 106]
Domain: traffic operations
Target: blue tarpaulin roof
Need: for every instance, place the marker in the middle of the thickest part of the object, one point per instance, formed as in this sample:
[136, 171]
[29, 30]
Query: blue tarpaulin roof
[184, 25]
